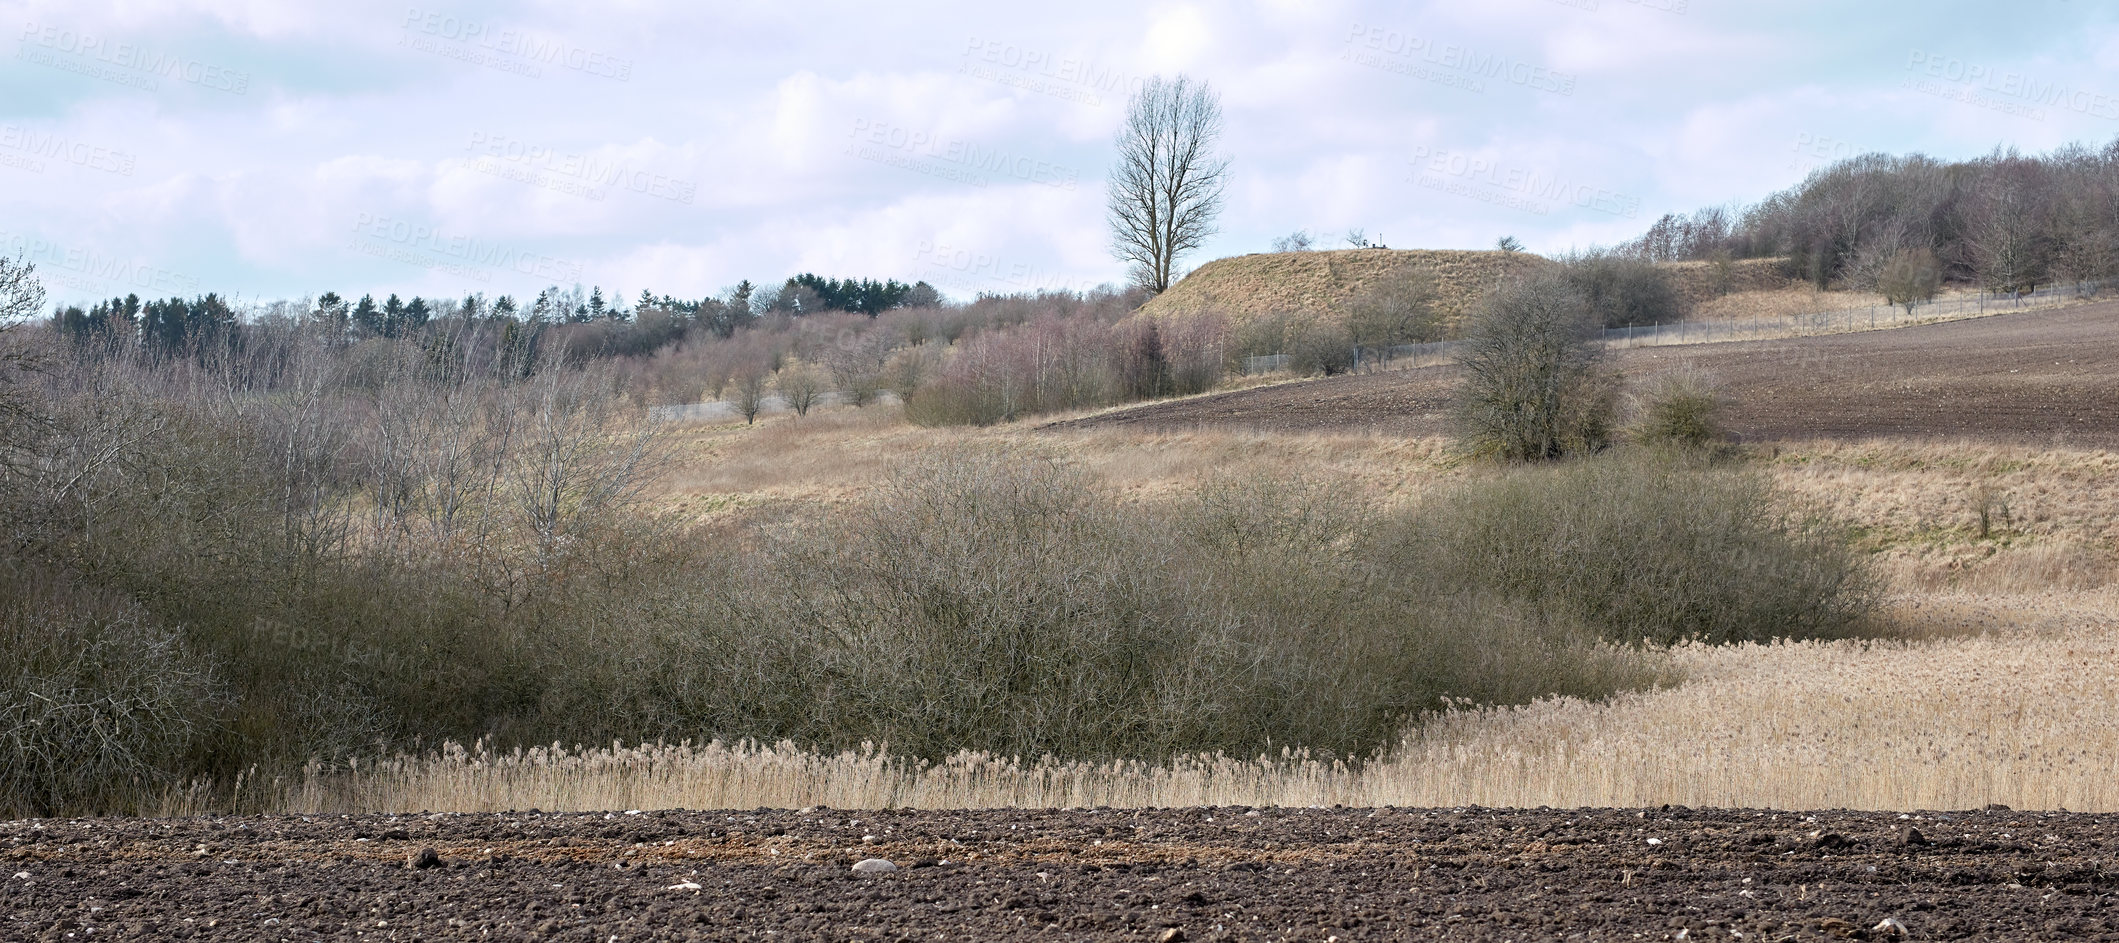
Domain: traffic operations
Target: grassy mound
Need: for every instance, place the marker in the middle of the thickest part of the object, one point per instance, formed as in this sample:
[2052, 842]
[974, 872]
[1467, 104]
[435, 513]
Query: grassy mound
[1323, 284]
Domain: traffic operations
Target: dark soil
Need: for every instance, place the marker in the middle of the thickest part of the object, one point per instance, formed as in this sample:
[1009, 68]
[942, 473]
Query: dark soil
[1206, 874]
[2042, 377]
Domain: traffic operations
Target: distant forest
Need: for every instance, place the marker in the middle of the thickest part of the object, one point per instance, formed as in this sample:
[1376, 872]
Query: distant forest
[2006, 221]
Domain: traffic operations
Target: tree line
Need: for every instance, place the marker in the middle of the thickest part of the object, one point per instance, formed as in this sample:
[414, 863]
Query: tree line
[176, 324]
[2005, 221]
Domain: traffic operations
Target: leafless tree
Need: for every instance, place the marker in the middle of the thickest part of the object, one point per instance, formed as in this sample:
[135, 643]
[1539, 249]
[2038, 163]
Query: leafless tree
[1166, 191]
[750, 384]
[21, 296]
[1911, 277]
[855, 363]
[2004, 231]
[1298, 241]
[21, 293]
[801, 387]
[580, 455]
[1534, 384]
[911, 366]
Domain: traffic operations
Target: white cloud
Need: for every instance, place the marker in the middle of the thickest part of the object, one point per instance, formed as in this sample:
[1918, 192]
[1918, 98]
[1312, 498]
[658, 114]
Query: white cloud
[739, 118]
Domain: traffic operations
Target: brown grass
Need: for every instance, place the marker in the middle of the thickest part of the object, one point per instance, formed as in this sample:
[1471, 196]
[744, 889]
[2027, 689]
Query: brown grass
[1322, 284]
[2050, 523]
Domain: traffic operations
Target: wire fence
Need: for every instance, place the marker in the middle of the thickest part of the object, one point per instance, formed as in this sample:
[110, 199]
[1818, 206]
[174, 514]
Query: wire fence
[1829, 321]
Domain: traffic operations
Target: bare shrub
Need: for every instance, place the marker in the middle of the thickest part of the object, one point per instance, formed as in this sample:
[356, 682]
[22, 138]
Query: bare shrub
[1398, 310]
[1005, 602]
[1648, 549]
[1910, 278]
[1534, 387]
[1319, 348]
[800, 386]
[1196, 353]
[751, 385]
[1298, 241]
[1682, 408]
[1623, 290]
[100, 703]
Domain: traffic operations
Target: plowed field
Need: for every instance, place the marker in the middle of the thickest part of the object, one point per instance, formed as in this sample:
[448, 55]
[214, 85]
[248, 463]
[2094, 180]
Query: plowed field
[1172, 874]
[2042, 377]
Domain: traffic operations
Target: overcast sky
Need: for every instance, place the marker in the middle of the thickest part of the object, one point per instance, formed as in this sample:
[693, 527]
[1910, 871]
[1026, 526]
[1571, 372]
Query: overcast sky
[267, 148]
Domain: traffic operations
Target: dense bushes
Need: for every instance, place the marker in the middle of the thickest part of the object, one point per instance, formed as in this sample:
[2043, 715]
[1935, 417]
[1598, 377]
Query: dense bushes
[250, 558]
[1648, 548]
[1004, 602]
[1623, 290]
[99, 700]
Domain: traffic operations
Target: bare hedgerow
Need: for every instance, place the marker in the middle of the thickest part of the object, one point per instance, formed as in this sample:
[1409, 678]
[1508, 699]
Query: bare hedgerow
[1534, 384]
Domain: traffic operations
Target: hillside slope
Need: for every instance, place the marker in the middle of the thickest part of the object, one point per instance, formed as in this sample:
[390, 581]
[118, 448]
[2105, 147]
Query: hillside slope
[1320, 284]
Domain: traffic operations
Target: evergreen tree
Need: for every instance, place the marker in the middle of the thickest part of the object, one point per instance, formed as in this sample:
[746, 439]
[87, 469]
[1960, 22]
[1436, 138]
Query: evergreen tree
[367, 320]
[332, 314]
[416, 315]
[163, 324]
[393, 316]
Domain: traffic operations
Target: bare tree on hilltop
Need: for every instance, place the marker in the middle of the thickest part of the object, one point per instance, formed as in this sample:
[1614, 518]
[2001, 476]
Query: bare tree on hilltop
[1166, 191]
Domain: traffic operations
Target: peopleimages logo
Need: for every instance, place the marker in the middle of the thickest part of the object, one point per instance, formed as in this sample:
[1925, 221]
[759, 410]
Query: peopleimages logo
[1047, 73]
[122, 62]
[89, 270]
[406, 241]
[64, 150]
[951, 158]
[565, 172]
[437, 25]
[1973, 79]
[1516, 187]
[1486, 65]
